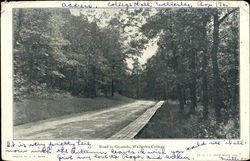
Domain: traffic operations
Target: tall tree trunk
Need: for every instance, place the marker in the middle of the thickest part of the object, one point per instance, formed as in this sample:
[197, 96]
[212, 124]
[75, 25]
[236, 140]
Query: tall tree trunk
[204, 63]
[193, 82]
[217, 100]
[112, 81]
[106, 90]
[184, 95]
[166, 88]
[177, 66]
[166, 92]
[31, 69]
[137, 85]
[167, 85]
[87, 81]
[180, 97]
[77, 88]
[94, 82]
[112, 86]
[179, 87]
[204, 85]
[180, 90]
[235, 86]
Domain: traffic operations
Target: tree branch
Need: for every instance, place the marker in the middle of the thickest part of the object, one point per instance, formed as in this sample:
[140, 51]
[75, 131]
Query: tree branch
[226, 15]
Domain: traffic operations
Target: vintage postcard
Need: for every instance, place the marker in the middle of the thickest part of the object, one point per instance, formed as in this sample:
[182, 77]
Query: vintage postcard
[125, 80]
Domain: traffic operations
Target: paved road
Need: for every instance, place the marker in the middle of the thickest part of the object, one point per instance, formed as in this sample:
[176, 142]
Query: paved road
[89, 125]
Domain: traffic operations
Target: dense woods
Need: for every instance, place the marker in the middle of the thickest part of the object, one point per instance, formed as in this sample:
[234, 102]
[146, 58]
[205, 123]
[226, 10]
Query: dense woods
[56, 50]
[196, 63]
[197, 59]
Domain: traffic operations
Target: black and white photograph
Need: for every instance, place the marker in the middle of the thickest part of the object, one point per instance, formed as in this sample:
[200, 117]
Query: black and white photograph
[126, 73]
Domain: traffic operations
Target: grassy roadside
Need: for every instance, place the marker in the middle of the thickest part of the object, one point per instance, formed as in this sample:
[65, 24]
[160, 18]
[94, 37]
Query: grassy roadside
[36, 109]
[168, 122]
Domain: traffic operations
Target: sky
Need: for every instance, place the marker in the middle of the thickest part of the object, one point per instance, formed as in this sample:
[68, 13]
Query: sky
[151, 48]
[146, 54]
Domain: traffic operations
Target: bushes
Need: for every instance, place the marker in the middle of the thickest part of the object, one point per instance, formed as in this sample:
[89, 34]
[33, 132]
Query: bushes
[211, 128]
[189, 126]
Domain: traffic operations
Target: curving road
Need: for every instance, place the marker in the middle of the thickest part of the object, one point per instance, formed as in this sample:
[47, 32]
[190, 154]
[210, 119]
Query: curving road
[89, 125]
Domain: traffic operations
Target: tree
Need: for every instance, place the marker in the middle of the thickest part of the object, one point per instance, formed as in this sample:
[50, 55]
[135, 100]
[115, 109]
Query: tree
[217, 102]
[185, 39]
[196, 61]
[136, 74]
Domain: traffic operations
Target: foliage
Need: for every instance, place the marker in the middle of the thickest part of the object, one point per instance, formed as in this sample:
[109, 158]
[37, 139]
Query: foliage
[54, 49]
[169, 123]
[196, 63]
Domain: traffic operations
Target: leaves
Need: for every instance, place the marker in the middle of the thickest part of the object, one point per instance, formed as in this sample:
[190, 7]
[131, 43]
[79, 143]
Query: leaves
[60, 50]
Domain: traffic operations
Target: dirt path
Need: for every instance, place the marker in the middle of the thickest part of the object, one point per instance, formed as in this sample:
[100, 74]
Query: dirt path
[89, 125]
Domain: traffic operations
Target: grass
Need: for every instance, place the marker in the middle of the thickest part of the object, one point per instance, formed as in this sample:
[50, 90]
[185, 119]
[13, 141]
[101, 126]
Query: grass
[168, 122]
[35, 109]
